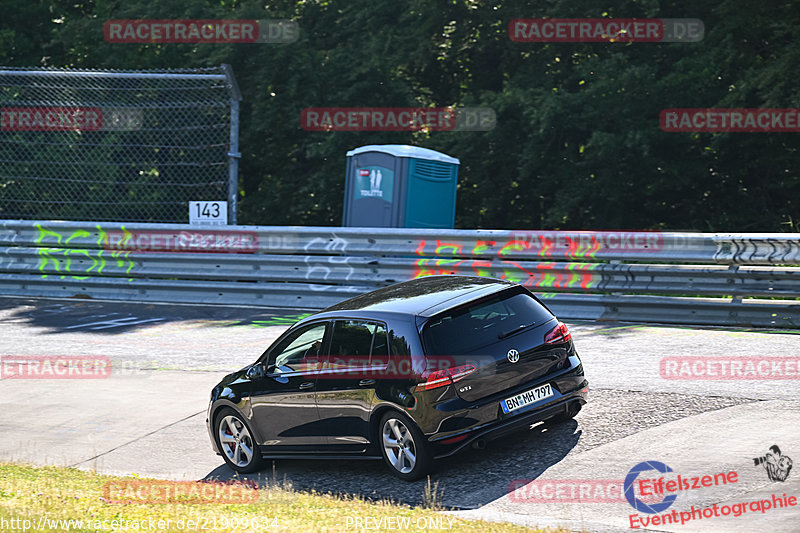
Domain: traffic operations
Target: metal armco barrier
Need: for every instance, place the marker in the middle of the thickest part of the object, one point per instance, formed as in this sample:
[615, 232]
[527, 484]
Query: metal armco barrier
[670, 277]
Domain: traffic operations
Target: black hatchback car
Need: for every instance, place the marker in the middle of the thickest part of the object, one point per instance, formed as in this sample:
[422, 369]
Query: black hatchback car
[409, 373]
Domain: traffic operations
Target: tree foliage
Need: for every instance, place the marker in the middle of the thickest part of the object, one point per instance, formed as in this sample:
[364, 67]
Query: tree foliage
[577, 143]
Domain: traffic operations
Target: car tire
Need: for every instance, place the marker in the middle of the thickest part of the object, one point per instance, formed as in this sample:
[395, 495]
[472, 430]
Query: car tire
[236, 442]
[403, 447]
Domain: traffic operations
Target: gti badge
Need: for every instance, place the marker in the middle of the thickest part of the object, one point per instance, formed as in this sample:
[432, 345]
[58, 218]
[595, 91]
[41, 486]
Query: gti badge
[513, 355]
[465, 389]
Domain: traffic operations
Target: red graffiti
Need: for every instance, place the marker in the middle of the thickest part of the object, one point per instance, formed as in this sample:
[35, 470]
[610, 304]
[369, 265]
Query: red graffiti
[449, 258]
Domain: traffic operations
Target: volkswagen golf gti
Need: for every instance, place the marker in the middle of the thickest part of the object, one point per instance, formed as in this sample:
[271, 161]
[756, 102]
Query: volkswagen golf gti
[408, 373]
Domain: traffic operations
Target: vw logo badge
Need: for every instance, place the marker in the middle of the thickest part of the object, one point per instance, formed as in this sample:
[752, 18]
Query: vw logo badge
[513, 355]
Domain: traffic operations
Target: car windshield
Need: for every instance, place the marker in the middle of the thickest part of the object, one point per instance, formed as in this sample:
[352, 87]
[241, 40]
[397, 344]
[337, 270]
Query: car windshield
[467, 329]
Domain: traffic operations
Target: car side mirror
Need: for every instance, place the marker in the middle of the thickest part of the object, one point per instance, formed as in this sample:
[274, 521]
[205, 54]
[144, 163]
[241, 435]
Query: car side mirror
[256, 371]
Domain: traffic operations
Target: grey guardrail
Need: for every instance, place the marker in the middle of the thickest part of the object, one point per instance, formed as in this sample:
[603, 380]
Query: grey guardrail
[669, 277]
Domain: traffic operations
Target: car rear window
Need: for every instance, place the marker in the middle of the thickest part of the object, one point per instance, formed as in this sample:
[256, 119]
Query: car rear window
[469, 328]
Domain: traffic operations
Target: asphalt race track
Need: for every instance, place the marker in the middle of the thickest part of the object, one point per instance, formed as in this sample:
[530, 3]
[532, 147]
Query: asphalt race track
[148, 416]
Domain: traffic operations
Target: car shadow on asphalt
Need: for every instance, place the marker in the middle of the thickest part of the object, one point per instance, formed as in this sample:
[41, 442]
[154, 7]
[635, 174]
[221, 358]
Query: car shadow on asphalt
[73, 315]
[467, 480]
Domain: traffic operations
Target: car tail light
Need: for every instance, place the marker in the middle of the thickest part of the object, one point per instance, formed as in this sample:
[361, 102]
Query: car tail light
[558, 334]
[453, 440]
[440, 378]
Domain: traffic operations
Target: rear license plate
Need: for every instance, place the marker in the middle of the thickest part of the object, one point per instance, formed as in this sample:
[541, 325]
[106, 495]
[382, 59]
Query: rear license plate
[526, 398]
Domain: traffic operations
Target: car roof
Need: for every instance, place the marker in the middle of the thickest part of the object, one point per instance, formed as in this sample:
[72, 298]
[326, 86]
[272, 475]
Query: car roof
[425, 296]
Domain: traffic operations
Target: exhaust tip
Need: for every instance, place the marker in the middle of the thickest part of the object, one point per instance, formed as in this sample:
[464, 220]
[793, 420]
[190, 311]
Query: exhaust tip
[479, 444]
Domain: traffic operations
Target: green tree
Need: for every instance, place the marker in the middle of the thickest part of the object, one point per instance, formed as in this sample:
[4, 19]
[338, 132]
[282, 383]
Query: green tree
[577, 142]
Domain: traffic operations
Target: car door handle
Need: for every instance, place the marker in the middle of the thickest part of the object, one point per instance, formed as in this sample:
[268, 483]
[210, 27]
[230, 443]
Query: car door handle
[366, 382]
[306, 385]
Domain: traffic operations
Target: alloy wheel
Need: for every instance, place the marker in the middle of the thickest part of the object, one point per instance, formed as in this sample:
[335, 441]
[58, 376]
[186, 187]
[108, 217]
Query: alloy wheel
[398, 444]
[235, 441]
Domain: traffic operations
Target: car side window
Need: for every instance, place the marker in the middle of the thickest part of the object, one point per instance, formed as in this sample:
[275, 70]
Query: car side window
[380, 344]
[299, 351]
[351, 343]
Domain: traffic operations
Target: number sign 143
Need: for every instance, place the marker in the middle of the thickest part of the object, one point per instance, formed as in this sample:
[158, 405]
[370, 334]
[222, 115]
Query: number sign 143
[215, 213]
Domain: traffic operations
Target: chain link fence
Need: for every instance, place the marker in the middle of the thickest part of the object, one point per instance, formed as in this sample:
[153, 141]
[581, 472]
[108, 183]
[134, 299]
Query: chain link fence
[105, 145]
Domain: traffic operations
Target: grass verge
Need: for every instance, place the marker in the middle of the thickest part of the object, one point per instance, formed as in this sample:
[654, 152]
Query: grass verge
[47, 498]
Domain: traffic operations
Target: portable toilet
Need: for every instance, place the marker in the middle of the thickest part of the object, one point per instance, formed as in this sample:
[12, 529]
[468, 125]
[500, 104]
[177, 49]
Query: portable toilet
[400, 186]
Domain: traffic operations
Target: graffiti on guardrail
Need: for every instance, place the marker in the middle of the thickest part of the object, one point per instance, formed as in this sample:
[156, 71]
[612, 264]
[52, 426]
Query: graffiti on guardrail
[745, 249]
[169, 241]
[83, 259]
[448, 259]
[498, 257]
[62, 257]
[321, 267]
[272, 321]
[586, 244]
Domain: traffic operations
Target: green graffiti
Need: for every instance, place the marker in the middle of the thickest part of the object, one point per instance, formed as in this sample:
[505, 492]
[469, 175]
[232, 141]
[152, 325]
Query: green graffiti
[45, 258]
[45, 232]
[548, 280]
[68, 267]
[44, 253]
[441, 246]
[584, 281]
[102, 239]
[482, 246]
[283, 320]
[128, 237]
[120, 255]
[62, 257]
[76, 234]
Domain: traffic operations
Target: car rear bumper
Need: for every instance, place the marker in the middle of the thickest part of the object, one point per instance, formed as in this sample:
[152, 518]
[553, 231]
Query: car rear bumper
[518, 422]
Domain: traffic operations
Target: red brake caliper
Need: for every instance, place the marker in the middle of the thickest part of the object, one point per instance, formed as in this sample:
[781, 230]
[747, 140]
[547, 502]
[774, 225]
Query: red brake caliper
[231, 445]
